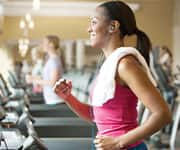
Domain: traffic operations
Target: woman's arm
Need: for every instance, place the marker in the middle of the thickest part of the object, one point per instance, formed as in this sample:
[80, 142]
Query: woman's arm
[82, 110]
[63, 90]
[132, 73]
[54, 76]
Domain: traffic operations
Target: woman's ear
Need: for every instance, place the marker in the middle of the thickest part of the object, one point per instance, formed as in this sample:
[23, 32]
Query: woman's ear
[130, 40]
[114, 26]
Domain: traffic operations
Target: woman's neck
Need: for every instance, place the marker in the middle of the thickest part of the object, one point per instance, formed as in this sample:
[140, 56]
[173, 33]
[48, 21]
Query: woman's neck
[52, 53]
[112, 45]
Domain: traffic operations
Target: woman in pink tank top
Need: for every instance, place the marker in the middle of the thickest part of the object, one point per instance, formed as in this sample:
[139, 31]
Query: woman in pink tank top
[112, 26]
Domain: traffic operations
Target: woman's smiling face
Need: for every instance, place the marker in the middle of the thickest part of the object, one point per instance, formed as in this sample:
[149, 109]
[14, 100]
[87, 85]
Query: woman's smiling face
[99, 29]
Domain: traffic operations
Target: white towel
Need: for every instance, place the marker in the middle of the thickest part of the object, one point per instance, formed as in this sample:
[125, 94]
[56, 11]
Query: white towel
[105, 86]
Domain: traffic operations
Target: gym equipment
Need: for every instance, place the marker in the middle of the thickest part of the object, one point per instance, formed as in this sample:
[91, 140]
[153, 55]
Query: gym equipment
[63, 127]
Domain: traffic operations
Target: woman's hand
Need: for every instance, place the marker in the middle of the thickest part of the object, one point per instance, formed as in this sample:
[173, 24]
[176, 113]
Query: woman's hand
[107, 143]
[63, 88]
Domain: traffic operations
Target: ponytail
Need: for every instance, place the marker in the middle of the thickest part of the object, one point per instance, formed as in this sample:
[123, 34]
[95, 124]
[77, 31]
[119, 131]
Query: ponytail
[143, 44]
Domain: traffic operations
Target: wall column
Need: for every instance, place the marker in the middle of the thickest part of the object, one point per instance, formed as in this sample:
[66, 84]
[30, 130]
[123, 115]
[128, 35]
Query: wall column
[176, 33]
[69, 47]
[80, 54]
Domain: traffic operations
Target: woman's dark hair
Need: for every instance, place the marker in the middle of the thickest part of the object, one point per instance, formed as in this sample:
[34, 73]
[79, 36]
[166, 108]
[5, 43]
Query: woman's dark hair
[54, 40]
[117, 10]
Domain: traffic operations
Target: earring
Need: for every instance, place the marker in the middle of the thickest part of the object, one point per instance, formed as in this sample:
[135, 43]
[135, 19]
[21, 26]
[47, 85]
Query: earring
[112, 27]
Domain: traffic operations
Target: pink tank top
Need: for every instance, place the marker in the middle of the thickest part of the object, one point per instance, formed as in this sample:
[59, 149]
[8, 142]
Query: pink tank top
[119, 115]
